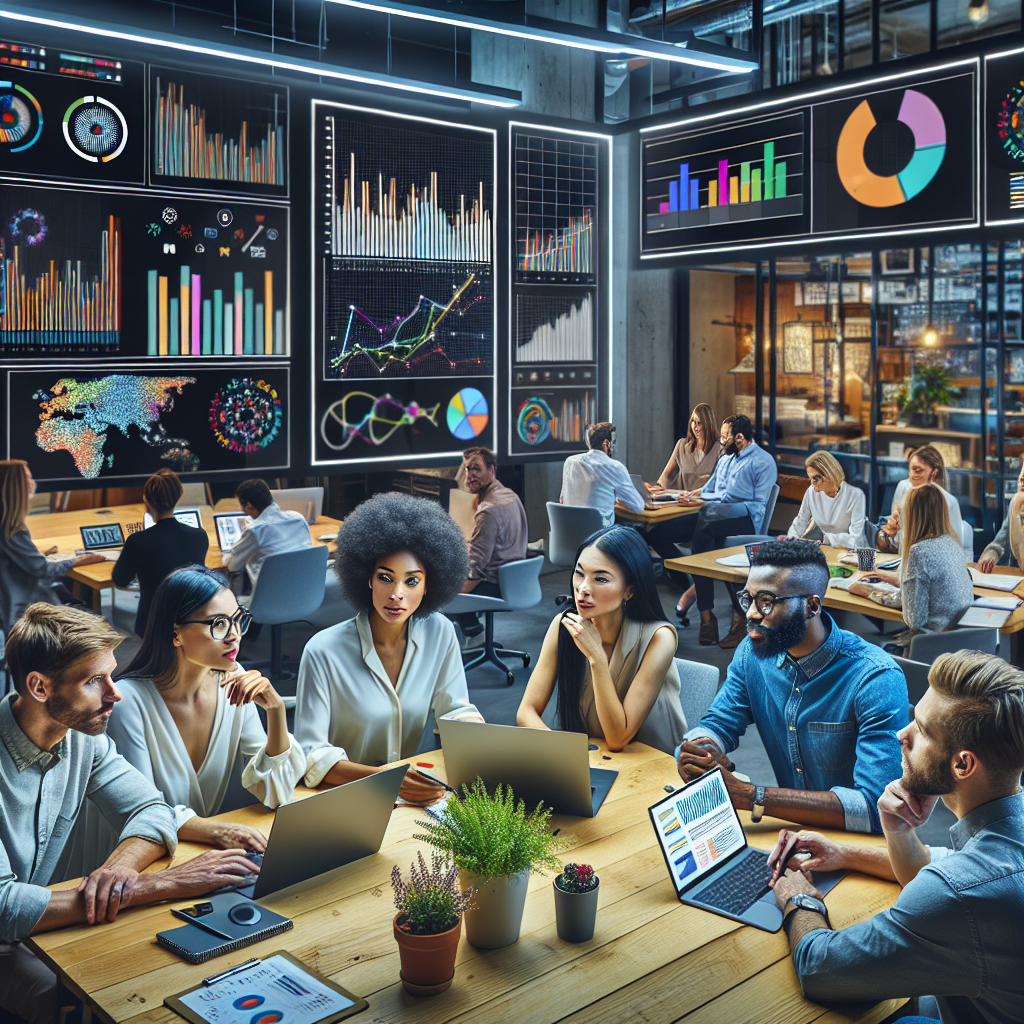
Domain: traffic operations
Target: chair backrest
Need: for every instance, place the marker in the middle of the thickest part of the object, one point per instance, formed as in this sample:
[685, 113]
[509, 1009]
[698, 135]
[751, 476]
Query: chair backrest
[519, 583]
[926, 647]
[568, 527]
[297, 499]
[462, 509]
[698, 684]
[967, 539]
[290, 585]
[194, 494]
[916, 673]
[769, 509]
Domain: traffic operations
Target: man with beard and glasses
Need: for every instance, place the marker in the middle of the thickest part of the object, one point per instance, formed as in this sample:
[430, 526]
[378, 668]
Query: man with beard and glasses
[826, 703]
[956, 931]
[53, 754]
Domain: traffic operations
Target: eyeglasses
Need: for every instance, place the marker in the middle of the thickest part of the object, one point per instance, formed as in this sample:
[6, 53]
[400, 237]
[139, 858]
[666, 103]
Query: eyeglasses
[222, 625]
[765, 600]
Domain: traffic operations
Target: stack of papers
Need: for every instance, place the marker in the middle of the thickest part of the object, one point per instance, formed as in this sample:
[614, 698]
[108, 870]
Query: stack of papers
[976, 615]
[845, 584]
[737, 561]
[994, 580]
[1007, 603]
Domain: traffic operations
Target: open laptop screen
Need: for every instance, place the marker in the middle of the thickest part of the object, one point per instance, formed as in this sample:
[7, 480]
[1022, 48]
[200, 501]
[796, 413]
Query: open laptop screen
[188, 516]
[697, 828]
[229, 528]
[109, 535]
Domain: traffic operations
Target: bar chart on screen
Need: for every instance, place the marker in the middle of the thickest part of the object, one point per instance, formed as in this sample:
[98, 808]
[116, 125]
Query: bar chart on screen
[554, 328]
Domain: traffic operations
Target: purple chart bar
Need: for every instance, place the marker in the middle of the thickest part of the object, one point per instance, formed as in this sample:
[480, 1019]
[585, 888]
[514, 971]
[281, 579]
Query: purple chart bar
[723, 182]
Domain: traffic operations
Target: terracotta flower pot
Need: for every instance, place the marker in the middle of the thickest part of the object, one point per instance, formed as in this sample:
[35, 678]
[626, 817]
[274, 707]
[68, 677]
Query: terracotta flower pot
[575, 913]
[428, 961]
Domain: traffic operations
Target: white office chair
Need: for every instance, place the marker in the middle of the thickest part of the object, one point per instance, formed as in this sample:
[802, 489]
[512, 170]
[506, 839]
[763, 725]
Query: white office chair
[307, 501]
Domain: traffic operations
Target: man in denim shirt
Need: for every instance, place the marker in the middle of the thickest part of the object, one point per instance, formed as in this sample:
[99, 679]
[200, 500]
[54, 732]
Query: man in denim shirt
[956, 931]
[53, 754]
[826, 703]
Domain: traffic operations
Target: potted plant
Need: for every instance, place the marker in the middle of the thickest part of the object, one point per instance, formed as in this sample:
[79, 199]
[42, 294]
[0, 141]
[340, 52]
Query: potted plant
[428, 923]
[496, 845]
[576, 902]
[920, 394]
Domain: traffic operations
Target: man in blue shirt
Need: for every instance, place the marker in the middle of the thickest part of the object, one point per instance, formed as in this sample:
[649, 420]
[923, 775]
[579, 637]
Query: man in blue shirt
[827, 704]
[957, 929]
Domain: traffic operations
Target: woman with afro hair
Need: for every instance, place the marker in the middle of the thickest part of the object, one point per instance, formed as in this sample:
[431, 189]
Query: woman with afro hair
[367, 686]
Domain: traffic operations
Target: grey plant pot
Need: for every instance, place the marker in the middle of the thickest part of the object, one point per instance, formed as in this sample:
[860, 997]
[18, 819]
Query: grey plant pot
[575, 913]
[499, 914]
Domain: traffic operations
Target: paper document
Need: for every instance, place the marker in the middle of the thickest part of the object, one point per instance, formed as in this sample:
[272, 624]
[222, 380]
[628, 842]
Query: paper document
[1007, 603]
[845, 584]
[737, 561]
[994, 618]
[994, 580]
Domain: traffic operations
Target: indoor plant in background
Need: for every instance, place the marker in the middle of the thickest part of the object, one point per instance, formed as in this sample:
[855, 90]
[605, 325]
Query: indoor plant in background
[428, 923]
[576, 902]
[496, 845]
[927, 388]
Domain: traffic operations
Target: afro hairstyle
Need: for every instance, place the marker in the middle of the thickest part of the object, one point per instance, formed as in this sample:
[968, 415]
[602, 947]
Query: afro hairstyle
[399, 522]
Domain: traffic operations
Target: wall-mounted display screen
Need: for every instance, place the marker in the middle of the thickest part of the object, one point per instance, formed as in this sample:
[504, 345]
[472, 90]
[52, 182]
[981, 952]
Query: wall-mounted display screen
[1004, 139]
[80, 423]
[71, 115]
[404, 298]
[743, 181]
[551, 420]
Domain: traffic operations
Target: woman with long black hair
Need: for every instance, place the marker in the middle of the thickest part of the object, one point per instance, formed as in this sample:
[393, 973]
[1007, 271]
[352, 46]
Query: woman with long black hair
[610, 656]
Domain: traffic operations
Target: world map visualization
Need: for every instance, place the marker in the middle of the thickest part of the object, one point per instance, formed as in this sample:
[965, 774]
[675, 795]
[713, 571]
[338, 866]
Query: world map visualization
[77, 416]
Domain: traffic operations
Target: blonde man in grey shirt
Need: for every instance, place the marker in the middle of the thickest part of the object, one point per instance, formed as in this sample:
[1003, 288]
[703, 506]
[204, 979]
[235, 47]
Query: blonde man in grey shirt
[53, 754]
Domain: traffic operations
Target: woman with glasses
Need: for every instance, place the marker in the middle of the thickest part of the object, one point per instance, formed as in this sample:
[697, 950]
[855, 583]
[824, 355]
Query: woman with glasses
[609, 656]
[187, 710]
[832, 510]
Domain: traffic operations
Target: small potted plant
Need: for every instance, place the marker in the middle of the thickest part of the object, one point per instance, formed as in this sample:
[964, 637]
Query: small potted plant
[496, 845]
[428, 923]
[576, 902]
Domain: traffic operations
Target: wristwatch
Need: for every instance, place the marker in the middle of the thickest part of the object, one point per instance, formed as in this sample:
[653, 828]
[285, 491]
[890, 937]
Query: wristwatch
[757, 810]
[804, 901]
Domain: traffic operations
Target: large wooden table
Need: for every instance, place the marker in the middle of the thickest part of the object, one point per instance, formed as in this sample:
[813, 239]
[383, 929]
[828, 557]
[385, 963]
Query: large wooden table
[651, 958]
[651, 517]
[62, 529]
[706, 564]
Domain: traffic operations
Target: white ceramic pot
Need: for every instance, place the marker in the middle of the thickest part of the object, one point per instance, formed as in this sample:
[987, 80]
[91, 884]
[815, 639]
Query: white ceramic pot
[499, 914]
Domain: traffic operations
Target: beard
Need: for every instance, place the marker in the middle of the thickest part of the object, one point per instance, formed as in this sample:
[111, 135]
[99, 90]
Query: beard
[935, 779]
[730, 448]
[60, 709]
[780, 638]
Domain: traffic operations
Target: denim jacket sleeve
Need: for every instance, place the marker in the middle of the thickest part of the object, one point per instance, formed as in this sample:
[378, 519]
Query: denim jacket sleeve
[730, 712]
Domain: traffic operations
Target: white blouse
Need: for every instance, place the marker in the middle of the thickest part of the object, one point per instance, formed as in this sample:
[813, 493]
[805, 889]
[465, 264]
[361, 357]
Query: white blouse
[840, 519]
[955, 519]
[346, 707]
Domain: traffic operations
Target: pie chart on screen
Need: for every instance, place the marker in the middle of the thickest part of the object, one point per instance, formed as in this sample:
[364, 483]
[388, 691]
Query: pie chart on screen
[468, 414]
[920, 114]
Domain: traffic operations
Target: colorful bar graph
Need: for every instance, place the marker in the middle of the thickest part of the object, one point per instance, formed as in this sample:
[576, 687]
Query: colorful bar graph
[565, 251]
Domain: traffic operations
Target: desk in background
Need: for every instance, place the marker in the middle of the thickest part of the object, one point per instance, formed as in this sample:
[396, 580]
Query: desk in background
[651, 956]
[652, 517]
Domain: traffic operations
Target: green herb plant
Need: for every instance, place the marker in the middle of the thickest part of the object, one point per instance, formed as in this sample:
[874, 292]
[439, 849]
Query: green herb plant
[493, 836]
[431, 901]
[577, 878]
[930, 386]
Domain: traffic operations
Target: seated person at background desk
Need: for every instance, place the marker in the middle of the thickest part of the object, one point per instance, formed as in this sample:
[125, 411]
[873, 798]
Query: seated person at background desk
[367, 686]
[826, 703]
[273, 530]
[26, 575]
[832, 511]
[694, 457]
[925, 465]
[593, 478]
[1011, 533]
[187, 711]
[499, 531]
[956, 931]
[151, 554]
[935, 588]
[53, 754]
[610, 655]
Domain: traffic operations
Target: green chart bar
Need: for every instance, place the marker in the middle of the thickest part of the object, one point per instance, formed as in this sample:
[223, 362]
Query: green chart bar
[207, 327]
[780, 180]
[247, 324]
[151, 344]
[769, 170]
[745, 182]
[218, 322]
[756, 196]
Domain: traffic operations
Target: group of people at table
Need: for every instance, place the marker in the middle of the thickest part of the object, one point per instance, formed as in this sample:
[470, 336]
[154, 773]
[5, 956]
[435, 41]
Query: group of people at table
[99, 778]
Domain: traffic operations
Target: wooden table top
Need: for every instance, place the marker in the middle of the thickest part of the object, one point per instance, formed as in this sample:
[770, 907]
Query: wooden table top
[61, 528]
[653, 516]
[706, 564]
[651, 956]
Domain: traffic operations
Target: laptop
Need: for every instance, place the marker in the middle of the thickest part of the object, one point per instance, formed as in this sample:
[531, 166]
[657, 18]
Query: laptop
[229, 526]
[708, 858]
[661, 498]
[186, 514]
[325, 832]
[540, 765]
[100, 540]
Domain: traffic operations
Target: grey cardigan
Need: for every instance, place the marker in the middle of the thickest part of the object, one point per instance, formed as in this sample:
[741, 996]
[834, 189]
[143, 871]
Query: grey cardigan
[26, 575]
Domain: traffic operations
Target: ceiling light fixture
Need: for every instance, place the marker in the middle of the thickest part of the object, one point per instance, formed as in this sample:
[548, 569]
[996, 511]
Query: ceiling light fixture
[195, 47]
[977, 11]
[561, 34]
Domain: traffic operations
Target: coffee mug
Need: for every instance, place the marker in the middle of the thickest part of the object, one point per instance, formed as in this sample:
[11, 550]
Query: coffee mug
[865, 559]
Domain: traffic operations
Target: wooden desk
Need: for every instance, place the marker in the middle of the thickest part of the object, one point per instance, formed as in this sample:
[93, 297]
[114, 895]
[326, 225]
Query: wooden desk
[655, 516]
[651, 956]
[706, 564]
[62, 529]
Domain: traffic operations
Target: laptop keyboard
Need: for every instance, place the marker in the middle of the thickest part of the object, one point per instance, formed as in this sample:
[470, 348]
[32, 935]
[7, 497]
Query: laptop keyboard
[257, 859]
[739, 889]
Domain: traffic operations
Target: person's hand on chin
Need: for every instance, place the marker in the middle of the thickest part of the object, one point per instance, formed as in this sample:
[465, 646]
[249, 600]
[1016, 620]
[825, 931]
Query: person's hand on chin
[901, 811]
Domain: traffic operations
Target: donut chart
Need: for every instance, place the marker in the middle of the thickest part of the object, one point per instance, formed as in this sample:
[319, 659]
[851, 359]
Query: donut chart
[534, 421]
[468, 414]
[95, 129]
[16, 113]
[924, 119]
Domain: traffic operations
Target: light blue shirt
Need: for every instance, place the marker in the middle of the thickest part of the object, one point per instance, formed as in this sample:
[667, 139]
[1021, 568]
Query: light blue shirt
[956, 931]
[828, 721]
[596, 480]
[745, 478]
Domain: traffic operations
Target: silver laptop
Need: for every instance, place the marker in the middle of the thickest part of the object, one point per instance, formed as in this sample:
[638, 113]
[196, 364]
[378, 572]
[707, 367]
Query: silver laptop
[651, 500]
[106, 540]
[229, 526]
[186, 514]
[325, 832]
[540, 765]
[708, 858]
